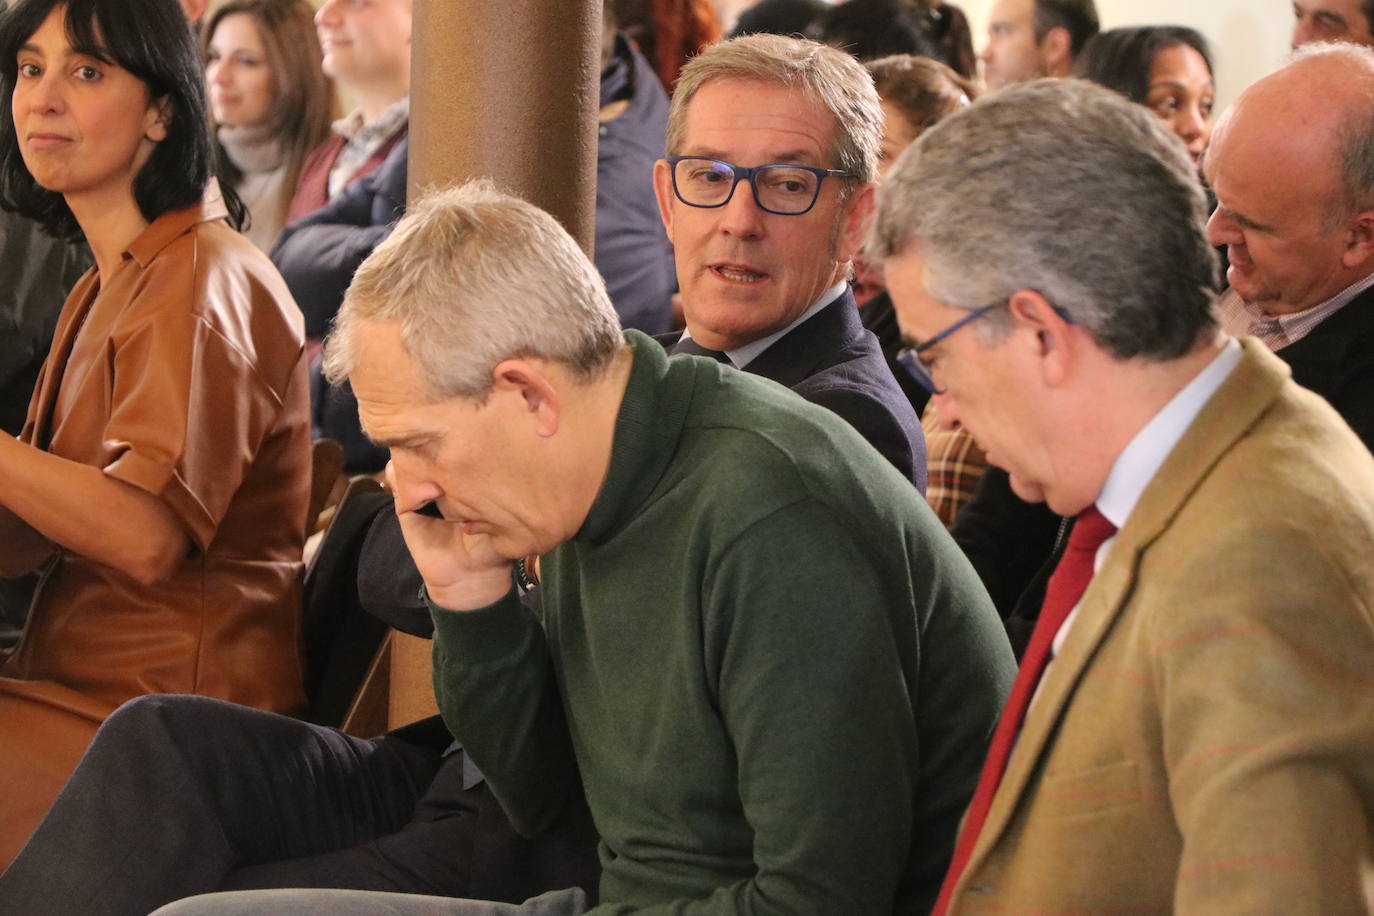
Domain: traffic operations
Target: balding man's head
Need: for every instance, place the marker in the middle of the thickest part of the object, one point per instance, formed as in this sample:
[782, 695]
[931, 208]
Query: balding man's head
[1292, 164]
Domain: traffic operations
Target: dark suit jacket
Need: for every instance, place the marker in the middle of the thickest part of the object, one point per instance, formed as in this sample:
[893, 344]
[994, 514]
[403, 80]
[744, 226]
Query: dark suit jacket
[312, 188]
[1013, 545]
[318, 254]
[39, 273]
[1336, 360]
[879, 316]
[832, 361]
[317, 257]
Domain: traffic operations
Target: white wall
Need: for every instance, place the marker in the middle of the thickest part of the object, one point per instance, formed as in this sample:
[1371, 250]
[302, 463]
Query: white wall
[1248, 37]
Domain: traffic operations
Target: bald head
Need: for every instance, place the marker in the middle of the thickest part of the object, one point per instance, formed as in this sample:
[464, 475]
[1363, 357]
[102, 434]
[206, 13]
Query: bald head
[1309, 125]
[1292, 164]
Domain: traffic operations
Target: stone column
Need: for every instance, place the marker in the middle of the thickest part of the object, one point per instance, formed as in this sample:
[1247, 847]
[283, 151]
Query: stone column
[509, 91]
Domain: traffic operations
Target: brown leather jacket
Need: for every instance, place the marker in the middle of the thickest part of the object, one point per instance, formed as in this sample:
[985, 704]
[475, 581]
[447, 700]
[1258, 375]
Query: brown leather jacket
[181, 374]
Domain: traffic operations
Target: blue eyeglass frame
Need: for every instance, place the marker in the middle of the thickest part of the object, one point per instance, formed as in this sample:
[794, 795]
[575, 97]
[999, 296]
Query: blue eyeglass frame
[909, 357]
[743, 173]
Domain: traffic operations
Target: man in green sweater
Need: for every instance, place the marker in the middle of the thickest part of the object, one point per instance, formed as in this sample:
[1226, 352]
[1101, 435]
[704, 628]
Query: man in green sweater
[758, 651]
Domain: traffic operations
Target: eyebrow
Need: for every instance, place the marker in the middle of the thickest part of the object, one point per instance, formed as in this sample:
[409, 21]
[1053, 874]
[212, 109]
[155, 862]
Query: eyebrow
[788, 156]
[415, 440]
[1175, 84]
[1244, 220]
[94, 52]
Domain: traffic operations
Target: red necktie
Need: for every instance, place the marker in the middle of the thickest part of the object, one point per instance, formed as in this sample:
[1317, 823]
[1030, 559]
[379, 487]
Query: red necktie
[1066, 586]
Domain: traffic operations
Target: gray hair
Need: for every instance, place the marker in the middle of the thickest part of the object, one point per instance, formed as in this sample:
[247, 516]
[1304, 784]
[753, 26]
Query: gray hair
[1355, 135]
[831, 77]
[1065, 188]
[474, 277]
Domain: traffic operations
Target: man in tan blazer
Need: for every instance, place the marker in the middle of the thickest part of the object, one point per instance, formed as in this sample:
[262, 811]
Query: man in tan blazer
[1203, 738]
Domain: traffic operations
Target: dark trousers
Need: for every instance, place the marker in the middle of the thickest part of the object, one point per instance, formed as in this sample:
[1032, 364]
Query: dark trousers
[186, 795]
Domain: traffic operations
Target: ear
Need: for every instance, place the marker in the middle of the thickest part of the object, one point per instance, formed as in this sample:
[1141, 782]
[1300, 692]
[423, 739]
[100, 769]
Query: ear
[157, 119]
[858, 216]
[1056, 52]
[663, 190]
[529, 385]
[1359, 241]
[1052, 339]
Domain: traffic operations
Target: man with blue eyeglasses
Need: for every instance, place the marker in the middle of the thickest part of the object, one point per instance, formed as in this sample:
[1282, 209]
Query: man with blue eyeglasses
[766, 194]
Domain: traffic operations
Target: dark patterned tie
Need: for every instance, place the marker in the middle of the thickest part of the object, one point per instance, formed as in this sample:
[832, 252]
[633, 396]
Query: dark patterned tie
[688, 345]
[1270, 331]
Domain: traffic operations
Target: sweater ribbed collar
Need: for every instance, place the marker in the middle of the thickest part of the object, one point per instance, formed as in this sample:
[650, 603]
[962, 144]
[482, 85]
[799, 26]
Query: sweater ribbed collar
[253, 150]
[647, 429]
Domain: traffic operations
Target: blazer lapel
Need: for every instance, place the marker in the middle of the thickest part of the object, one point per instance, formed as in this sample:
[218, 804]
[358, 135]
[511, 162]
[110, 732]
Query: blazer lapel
[796, 355]
[1251, 389]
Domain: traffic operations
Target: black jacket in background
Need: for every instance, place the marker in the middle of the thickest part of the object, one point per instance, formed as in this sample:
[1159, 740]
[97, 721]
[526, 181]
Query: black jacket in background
[36, 274]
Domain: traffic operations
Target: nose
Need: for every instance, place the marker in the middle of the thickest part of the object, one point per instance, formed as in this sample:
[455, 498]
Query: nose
[327, 14]
[946, 412]
[1301, 34]
[217, 72]
[1190, 123]
[741, 216]
[410, 481]
[1221, 229]
[40, 96]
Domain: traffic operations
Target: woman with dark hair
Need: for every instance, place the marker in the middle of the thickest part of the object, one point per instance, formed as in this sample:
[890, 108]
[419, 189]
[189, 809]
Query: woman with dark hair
[270, 100]
[161, 477]
[1166, 68]
[870, 29]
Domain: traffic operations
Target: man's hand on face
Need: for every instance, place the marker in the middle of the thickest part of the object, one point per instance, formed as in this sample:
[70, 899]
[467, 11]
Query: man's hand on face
[462, 572]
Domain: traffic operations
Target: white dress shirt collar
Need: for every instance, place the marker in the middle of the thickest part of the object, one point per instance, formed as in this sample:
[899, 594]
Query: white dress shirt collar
[1138, 463]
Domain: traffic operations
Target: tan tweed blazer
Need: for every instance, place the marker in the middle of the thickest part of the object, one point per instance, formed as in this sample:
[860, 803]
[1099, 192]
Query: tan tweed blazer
[1204, 742]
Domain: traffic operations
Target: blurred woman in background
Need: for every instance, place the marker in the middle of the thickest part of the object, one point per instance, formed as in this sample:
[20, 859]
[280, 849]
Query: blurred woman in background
[1166, 68]
[916, 93]
[161, 478]
[270, 101]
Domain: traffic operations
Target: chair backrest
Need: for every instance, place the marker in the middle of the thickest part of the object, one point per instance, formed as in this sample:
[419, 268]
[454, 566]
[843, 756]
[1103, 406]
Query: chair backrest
[340, 638]
[326, 470]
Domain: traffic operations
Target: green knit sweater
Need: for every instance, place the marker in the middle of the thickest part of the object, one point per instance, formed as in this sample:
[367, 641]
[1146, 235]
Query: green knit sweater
[771, 667]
